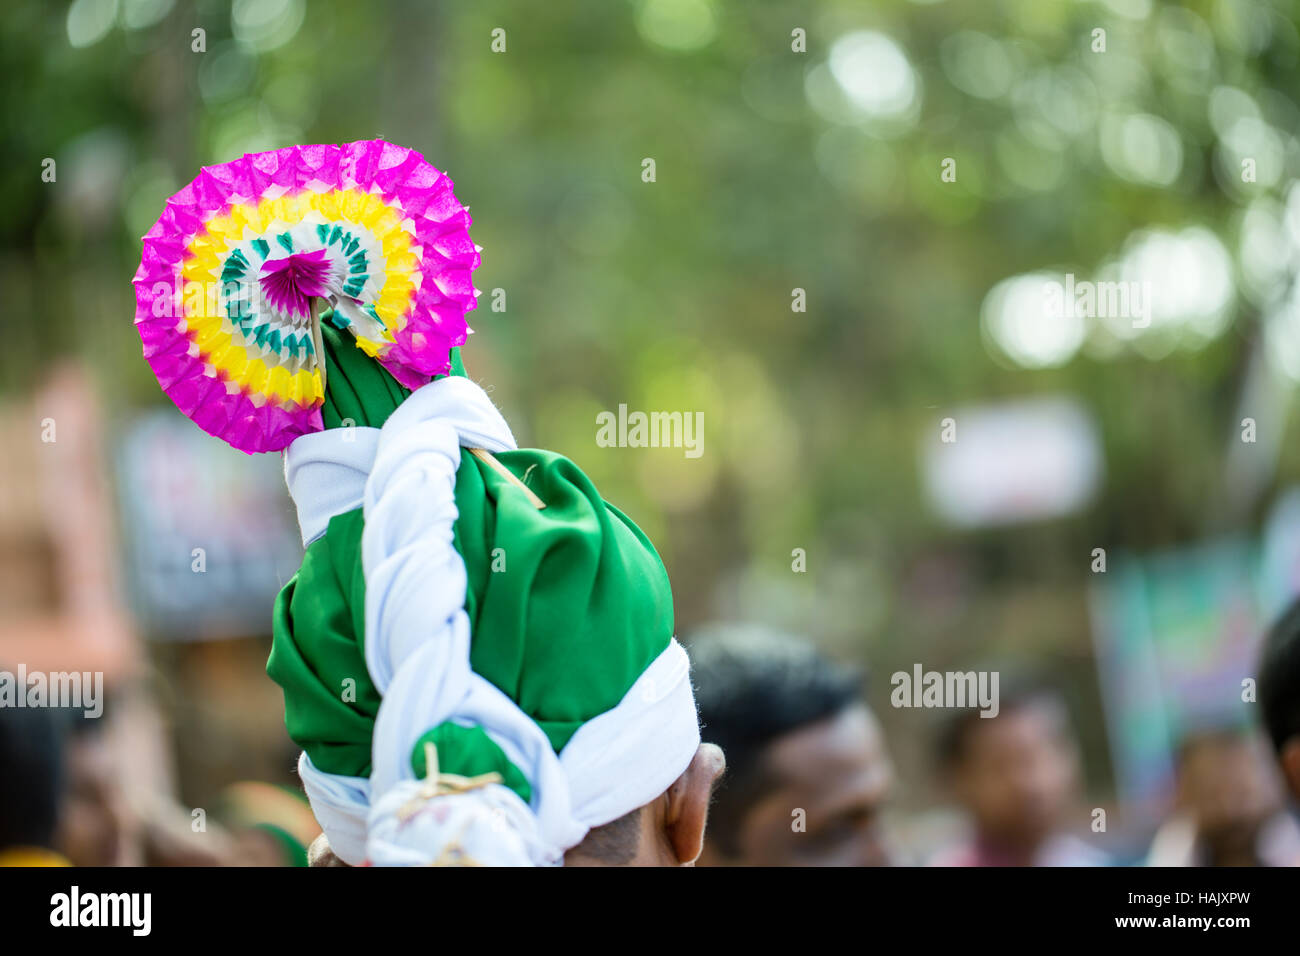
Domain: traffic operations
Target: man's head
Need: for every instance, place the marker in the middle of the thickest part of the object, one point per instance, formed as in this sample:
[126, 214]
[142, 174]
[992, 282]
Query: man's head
[809, 772]
[668, 831]
[1016, 772]
[1226, 786]
[1279, 693]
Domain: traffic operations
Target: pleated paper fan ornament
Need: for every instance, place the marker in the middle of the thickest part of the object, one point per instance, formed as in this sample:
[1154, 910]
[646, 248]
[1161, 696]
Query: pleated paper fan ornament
[244, 260]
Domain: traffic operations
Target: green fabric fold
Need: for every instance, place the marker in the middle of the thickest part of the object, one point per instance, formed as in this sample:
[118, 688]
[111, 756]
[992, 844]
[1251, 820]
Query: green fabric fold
[567, 605]
[472, 752]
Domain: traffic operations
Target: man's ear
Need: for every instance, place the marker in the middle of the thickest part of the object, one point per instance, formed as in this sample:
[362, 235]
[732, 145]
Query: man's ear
[321, 854]
[688, 803]
[1290, 760]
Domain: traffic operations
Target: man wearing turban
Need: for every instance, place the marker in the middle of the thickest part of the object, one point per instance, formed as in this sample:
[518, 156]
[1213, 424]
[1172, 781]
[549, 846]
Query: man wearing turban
[477, 653]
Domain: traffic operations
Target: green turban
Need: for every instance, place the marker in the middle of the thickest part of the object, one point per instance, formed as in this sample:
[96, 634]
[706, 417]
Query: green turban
[568, 604]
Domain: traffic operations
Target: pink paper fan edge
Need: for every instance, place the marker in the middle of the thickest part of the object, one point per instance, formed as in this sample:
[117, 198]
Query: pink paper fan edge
[422, 344]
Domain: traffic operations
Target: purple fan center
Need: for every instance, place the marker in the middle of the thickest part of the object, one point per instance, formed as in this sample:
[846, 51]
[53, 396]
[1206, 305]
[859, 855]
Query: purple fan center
[289, 283]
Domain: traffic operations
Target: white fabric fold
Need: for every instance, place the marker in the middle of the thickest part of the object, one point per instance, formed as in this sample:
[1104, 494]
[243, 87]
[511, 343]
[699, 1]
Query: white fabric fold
[338, 803]
[627, 756]
[326, 473]
[418, 640]
[417, 632]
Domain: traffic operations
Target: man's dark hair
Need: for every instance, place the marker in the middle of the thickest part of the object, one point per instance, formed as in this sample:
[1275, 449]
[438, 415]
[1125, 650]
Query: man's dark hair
[1279, 678]
[31, 768]
[955, 734]
[753, 686]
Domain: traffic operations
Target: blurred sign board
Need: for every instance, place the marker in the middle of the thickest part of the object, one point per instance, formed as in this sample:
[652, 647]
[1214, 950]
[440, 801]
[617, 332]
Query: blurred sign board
[210, 532]
[1176, 633]
[1019, 461]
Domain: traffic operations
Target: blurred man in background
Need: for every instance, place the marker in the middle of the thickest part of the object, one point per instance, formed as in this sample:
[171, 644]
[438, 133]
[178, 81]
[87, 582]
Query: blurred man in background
[1279, 693]
[1228, 809]
[31, 779]
[60, 797]
[96, 826]
[807, 768]
[1017, 776]
[62, 803]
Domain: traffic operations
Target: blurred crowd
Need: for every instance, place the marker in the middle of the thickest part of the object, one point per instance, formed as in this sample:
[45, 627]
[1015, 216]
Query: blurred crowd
[810, 780]
[64, 804]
